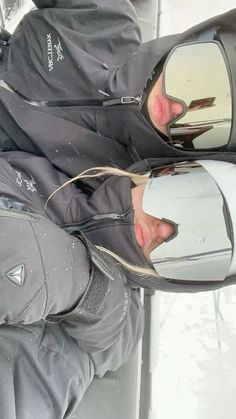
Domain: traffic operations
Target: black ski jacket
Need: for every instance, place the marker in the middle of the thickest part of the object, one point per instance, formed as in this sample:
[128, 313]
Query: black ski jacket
[104, 213]
[67, 311]
[72, 79]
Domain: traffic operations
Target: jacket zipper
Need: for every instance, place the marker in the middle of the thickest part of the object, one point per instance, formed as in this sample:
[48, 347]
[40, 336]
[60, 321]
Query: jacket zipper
[97, 221]
[124, 100]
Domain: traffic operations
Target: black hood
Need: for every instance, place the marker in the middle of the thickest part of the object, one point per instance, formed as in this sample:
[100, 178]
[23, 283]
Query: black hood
[131, 79]
[40, 118]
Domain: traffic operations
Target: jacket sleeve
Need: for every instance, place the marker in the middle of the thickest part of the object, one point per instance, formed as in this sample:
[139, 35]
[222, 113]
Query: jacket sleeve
[47, 274]
[47, 366]
[43, 270]
[44, 373]
[117, 354]
[108, 321]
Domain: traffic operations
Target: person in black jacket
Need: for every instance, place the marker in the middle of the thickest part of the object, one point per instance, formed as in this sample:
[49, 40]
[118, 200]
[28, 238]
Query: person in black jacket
[51, 342]
[105, 211]
[79, 87]
[70, 306]
[67, 312]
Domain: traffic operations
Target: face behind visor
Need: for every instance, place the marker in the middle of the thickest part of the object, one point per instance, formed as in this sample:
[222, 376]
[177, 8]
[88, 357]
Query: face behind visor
[198, 76]
[199, 199]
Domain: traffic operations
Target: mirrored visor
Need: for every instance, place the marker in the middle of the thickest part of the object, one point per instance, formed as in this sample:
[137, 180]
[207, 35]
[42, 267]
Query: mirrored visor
[196, 75]
[187, 196]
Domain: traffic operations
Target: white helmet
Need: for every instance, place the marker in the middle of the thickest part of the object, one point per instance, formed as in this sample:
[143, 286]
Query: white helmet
[199, 199]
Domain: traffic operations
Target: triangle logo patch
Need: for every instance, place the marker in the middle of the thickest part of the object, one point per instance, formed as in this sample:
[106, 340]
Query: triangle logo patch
[17, 274]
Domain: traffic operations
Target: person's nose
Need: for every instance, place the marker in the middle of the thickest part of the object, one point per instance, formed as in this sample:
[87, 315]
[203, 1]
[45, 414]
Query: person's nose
[164, 231]
[177, 109]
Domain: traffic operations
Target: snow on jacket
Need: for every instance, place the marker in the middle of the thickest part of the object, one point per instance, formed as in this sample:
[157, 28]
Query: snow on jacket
[66, 310]
[68, 75]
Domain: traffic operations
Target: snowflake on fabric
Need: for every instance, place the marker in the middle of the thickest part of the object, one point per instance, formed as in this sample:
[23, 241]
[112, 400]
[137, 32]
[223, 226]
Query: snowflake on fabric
[19, 178]
[29, 184]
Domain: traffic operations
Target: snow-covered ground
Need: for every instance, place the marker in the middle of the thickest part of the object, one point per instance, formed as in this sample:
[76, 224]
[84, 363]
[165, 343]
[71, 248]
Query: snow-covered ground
[13, 10]
[178, 15]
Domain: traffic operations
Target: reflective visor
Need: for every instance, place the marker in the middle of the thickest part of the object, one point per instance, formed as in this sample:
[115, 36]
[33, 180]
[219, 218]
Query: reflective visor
[196, 75]
[187, 196]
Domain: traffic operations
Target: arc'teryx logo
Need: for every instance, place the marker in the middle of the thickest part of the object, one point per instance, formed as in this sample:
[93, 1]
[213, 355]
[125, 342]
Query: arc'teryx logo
[50, 52]
[17, 274]
[53, 47]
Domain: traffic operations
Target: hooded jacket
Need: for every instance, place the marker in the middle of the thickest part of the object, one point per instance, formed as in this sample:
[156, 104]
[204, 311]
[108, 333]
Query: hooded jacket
[66, 309]
[73, 78]
[101, 210]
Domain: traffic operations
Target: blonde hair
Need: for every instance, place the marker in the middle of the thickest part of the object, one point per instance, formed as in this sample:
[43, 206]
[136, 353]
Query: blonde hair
[139, 270]
[137, 179]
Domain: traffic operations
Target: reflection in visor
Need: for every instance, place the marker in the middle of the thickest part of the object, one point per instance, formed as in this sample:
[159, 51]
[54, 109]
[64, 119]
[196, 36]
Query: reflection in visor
[202, 86]
[189, 197]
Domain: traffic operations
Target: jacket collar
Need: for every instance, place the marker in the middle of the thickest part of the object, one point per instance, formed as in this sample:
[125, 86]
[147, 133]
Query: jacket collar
[112, 224]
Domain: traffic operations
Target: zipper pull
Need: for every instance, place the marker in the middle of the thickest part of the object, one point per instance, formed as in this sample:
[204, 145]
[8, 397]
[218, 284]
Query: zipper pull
[113, 216]
[131, 99]
[107, 216]
[125, 100]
